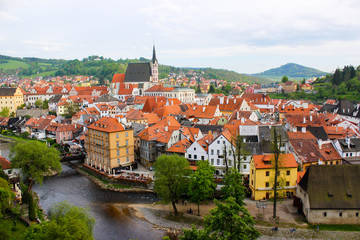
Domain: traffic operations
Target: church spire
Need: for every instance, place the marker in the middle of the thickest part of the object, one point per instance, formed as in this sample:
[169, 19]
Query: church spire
[153, 60]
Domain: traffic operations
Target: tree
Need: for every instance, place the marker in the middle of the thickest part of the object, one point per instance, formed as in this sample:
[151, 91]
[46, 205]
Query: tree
[35, 159]
[276, 149]
[233, 187]
[45, 104]
[6, 196]
[284, 79]
[32, 214]
[198, 89]
[202, 184]
[66, 222]
[5, 112]
[38, 103]
[228, 221]
[238, 150]
[211, 89]
[337, 77]
[171, 177]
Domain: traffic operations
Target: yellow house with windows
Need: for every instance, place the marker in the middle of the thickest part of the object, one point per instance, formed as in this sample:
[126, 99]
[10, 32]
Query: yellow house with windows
[11, 98]
[109, 145]
[262, 176]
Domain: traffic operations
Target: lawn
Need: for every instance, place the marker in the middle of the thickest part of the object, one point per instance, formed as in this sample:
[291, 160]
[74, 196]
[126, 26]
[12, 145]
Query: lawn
[339, 227]
[14, 230]
[11, 64]
[50, 73]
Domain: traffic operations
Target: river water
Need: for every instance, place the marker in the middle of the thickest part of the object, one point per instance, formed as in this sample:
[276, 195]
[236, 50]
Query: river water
[114, 220]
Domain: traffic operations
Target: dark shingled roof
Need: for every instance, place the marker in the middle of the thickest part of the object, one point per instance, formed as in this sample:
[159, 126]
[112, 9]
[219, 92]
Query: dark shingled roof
[7, 91]
[106, 98]
[138, 72]
[332, 187]
[206, 128]
[318, 132]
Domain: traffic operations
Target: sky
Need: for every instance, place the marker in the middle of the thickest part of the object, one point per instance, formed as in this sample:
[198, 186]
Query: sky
[244, 36]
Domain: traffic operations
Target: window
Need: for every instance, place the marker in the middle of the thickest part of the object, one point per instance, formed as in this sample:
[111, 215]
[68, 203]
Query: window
[218, 152]
[126, 134]
[252, 171]
[267, 173]
[267, 184]
[195, 156]
[202, 158]
[357, 214]
[126, 142]
[212, 161]
[337, 162]
[127, 159]
[127, 151]
[218, 162]
[287, 184]
[117, 135]
[212, 151]
[218, 142]
[230, 162]
[244, 166]
[252, 182]
[340, 214]
[189, 155]
[288, 172]
[118, 152]
[118, 160]
[194, 149]
[223, 142]
[117, 144]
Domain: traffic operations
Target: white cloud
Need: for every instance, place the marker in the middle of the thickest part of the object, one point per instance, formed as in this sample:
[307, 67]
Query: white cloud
[46, 46]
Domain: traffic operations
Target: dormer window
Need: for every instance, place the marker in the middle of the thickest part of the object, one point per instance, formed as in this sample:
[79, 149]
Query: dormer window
[330, 194]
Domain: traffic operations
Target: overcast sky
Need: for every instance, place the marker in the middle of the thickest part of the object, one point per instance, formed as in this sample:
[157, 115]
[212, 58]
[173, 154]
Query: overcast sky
[244, 36]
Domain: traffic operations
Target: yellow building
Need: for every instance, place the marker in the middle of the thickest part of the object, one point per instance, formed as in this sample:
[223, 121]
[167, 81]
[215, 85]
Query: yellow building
[11, 98]
[109, 145]
[262, 175]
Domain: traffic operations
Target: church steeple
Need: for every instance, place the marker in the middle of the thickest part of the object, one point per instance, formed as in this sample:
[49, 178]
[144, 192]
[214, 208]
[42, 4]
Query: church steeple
[153, 60]
[154, 67]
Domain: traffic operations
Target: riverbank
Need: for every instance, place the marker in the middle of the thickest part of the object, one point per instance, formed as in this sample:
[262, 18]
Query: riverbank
[160, 216]
[106, 185]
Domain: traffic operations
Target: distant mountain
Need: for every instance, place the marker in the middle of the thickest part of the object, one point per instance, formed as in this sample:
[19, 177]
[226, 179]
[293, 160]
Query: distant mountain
[292, 71]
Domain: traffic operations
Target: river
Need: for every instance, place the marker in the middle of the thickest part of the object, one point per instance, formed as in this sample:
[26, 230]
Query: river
[114, 220]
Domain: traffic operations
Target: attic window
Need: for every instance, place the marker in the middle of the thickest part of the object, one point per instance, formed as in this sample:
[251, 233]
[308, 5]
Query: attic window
[328, 151]
[348, 193]
[330, 194]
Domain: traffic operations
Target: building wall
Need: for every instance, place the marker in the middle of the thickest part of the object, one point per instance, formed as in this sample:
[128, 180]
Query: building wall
[259, 178]
[110, 150]
[12, 102]
[326, 216]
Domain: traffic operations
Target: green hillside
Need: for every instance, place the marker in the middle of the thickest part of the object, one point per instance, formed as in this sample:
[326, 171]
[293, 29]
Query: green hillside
[104, 68]
[292, 70]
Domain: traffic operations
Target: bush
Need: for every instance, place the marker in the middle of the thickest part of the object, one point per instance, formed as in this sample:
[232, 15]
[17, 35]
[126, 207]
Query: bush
[25, 135]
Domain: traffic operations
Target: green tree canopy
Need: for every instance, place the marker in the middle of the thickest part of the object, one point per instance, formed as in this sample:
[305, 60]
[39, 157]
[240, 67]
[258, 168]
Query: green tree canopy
[39, 103]
[35, 159]
[233, 187]
[228, 221]
[5, 112]
[66, 222]
[211, 89]
[6, 196]
[284, 79]
[171, 176]
[202, 184]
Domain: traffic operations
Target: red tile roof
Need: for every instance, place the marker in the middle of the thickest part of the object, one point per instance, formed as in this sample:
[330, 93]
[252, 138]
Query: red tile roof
[264, 161]
[107, 124]
[118, 78]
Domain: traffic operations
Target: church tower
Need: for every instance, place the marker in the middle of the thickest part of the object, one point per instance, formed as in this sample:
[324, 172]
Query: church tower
[154, 67]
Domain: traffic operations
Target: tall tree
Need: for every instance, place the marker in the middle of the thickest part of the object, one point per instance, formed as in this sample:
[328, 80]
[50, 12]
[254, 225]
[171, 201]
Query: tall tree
[171, 176]
[233, 187]
[276, 149]
[35, 160]
[202, 184]
[6, 196]
[66, 222]
[211, 89]
[238, 150]
[337, 77]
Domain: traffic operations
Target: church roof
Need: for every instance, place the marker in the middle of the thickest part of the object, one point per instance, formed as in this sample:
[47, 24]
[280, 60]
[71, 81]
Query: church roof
[138, 72]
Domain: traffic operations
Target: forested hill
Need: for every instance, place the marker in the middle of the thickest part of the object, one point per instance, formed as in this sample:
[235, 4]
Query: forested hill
[104, 68]
[292, 71]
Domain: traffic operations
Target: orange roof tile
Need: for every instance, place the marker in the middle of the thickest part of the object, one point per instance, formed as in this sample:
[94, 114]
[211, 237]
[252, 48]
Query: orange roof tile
[107, 124]
[285, 161]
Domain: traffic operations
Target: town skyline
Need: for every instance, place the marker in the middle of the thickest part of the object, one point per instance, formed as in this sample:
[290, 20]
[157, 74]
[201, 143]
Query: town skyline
[243, 37]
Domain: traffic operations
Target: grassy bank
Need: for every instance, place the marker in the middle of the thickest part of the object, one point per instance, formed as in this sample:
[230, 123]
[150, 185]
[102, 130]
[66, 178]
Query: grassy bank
[332, 227]
[12, 229]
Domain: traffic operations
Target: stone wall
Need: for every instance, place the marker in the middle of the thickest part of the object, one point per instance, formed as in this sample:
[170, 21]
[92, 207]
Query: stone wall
[31, 112]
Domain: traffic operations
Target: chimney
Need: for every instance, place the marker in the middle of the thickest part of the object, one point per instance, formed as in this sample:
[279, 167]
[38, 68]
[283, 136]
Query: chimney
[336, 128]
[347, 140]
[304, 119]
[227, 100]
[169, 122]
[221, 100]
[320, 143]
[194, 108]
[166, 128]
[242, 120]
[234, 100]
[310, 118]
[237, 114]
[204, 109]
